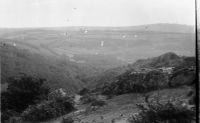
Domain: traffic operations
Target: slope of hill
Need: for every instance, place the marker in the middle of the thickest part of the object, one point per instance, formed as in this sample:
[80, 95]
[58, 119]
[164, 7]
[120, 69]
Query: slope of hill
[105, 77]
[157, 27]
[122, 43]
[83, 48]
[58, 71]
[166, 60]
[121, 107]
[131, 82]
[165, 27]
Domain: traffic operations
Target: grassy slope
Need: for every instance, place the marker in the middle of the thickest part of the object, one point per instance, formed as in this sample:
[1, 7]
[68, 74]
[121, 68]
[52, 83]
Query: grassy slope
[126, 104]
[80, 44]
[58, 72]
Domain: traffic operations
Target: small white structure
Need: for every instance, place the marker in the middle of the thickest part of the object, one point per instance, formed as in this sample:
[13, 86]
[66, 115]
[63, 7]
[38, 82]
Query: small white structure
[124, 36]
[85, 31]
[135, 36]
[102, 43]
[66, 34]
[14, 44]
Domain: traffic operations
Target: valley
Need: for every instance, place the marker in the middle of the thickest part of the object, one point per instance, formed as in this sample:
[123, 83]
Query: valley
[100, 74]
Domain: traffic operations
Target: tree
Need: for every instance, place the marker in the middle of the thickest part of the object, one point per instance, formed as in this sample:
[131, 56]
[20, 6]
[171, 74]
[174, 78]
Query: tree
[170, 112]
[84, 91]
[22, 92]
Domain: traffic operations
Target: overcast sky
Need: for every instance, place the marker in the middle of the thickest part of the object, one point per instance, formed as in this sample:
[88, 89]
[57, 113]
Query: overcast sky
[48, 13]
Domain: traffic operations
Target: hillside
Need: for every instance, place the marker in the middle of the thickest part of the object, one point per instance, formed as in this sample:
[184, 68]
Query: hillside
[166, 60]
[158, 27]
[100, 61]
[121, 107]
[169, 59]
[165, 27]
[106, 76]
[120, 44]
[59, 72]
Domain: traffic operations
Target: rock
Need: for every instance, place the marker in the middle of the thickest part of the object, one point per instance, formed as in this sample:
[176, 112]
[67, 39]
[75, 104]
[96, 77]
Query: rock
[59, 93]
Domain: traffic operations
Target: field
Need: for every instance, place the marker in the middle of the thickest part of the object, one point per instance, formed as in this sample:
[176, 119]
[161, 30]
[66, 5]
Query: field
[101, 59]
[83, 45]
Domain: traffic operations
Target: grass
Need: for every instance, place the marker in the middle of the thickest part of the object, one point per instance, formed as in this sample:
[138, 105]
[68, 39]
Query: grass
[89, 43]
[126, 105]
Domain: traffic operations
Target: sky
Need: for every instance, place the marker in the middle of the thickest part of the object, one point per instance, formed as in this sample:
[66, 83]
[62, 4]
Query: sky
[52, 13]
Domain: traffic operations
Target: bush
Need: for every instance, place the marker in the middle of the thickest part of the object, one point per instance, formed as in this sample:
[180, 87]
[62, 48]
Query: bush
[110, 96]
[7, 114]
[56, 94]
[192, 94]
[182, 76]
[21, 93]
[129, 82]
[68, 120]
[48, 110]
[98, 103]
[163, 113]
[87, 99]
[15, 119]
[84, 91]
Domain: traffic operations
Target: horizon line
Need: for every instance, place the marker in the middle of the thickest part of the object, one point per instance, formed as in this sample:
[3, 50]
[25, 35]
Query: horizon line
[32, 27]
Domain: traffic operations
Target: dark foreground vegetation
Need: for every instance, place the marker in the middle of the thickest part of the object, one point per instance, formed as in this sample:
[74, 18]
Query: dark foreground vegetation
[26, 99]
[170, 112]
[48, 109]
[141, 82]
[31, 99]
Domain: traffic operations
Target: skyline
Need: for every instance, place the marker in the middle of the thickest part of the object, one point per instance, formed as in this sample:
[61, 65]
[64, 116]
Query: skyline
[111, 13]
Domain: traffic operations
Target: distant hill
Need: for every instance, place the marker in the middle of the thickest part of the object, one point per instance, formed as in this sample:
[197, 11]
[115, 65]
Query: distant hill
[157, 27]
[122, 45]
[165, 27]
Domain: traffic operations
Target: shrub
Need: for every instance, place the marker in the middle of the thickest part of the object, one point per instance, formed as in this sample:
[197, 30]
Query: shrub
[98, 103]
[56, 94]
[21, 93]
[182, 76]
[84, 91]
[192, 93]
[130, 82]
[67, 120]
[7, 114]
[87, 99]
[110, 96]
[48, 109]
[163, 113]
[15, 119]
